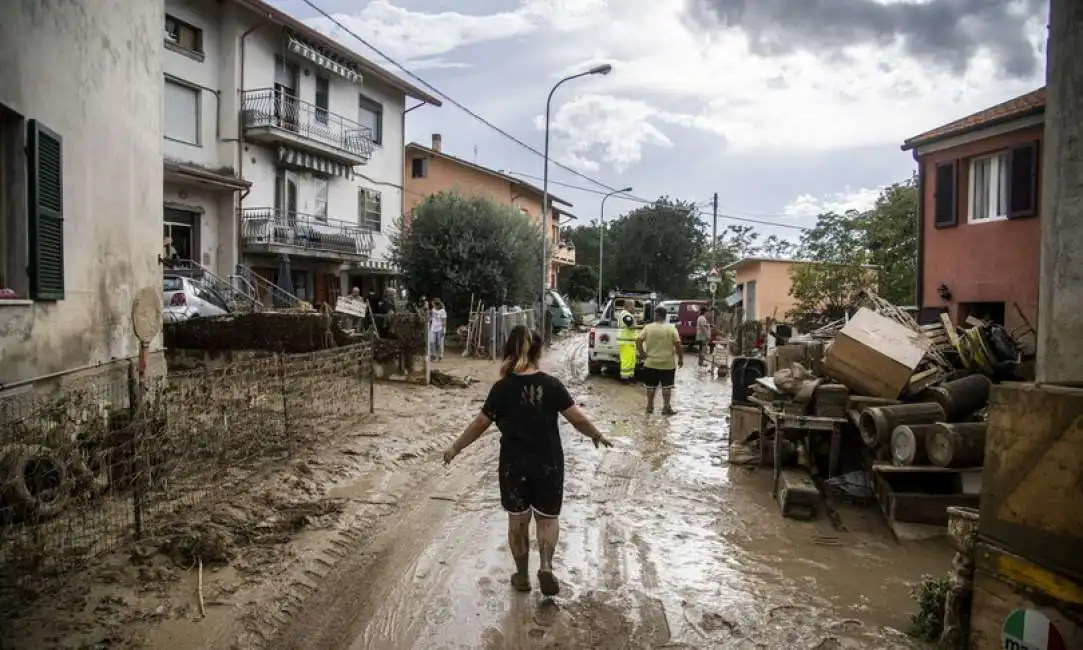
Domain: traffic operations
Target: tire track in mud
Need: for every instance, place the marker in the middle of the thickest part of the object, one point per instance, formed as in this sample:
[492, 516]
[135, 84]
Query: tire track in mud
[349, 545]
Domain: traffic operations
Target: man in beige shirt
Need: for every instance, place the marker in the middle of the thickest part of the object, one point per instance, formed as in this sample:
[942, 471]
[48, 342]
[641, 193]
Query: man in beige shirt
[659, 346]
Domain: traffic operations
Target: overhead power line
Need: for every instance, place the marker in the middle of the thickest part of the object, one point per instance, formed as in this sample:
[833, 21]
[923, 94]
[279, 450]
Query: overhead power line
[637, 199]
[436, 91]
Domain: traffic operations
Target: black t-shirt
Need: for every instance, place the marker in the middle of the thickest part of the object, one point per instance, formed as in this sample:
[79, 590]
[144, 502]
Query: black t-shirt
[525, 409]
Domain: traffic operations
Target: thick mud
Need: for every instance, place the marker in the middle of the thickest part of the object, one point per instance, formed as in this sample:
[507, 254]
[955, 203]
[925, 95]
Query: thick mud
[663, 544]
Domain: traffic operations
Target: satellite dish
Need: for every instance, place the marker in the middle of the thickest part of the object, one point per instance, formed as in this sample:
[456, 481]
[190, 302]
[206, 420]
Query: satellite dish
[147, 314]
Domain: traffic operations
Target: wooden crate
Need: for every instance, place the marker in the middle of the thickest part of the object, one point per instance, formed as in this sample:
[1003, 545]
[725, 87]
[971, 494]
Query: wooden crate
[1033, 472]
[1005, 582]
[919, 495]
[744, 421]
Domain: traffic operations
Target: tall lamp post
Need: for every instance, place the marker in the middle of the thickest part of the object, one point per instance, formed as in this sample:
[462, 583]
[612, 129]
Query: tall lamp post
[605, 68]
[601, 238]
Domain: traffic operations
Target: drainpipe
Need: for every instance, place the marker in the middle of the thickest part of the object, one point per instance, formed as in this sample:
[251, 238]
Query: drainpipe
[240, 148]
[919, 290]
[402, 192]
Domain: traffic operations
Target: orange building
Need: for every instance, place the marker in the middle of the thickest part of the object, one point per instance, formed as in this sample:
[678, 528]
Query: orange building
[979, 236]
[762, 287]
[429, 170]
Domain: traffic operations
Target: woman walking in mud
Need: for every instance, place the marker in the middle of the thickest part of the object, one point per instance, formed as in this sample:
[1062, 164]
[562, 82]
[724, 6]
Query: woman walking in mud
[524, 404]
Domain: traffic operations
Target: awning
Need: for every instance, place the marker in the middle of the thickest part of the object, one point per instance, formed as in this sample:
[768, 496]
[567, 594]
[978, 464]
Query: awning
[734, 298]
[325, 62]
[313, 163]
[379, 266]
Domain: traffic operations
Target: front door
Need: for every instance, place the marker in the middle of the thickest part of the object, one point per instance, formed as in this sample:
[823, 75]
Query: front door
[180, 233]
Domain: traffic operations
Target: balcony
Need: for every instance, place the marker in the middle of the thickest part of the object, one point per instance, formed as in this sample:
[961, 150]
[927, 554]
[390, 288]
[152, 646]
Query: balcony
[273, 117]
[564, 253]
[273, 231]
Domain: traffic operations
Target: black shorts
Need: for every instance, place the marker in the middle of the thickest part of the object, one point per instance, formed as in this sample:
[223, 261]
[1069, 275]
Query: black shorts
[653, 377]
[538, 488]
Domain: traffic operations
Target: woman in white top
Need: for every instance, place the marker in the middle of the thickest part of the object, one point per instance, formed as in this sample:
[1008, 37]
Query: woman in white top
[437, 326]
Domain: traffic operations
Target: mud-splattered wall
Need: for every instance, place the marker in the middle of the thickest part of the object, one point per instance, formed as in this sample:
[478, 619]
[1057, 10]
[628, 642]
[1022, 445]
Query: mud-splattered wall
[91, 71]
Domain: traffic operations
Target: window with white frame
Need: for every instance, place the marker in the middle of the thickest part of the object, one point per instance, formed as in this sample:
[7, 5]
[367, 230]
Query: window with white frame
[989, 187]
[182, 103]
[370, 209]
[321, 198]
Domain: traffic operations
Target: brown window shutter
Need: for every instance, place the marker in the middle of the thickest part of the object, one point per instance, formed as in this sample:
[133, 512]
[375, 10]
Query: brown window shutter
[1023, 181]
[45, 212]
[946, 205]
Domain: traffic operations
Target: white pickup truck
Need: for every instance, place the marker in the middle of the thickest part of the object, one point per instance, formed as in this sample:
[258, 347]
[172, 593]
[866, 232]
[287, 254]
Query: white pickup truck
[603, 351]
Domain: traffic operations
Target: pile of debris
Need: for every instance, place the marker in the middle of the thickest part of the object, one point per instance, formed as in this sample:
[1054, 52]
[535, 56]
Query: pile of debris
[905, 404]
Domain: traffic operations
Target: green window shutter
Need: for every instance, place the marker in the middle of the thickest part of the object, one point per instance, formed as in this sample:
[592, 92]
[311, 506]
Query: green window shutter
[45, 212]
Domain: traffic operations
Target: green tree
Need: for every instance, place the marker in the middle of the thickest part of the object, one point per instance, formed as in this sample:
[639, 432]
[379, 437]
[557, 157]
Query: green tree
[775, 246]
[835, 248]
[457, 246]
[891, 236]
[579, 282]
[657, 247]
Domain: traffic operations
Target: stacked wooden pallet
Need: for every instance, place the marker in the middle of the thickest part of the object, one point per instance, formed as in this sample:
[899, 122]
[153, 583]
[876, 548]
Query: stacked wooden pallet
[941, 334]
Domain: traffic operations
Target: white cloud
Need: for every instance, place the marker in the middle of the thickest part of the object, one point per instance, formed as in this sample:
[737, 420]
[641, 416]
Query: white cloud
[615, 129]
[807, 205]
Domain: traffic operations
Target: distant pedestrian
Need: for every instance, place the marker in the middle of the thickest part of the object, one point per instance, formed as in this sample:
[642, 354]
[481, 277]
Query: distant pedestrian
[524, 404]
[437, 327]
[659, 345]
[703, 334]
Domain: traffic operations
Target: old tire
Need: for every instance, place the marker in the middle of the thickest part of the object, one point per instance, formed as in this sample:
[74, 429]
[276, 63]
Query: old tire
[594, 367]
[35, 481]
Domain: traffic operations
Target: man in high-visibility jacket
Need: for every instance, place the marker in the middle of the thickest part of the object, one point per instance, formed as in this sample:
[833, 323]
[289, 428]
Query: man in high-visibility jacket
[626, 341]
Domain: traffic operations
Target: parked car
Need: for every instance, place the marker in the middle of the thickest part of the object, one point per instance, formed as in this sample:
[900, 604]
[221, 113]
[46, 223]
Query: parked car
[560, 314]
[184, 298]
[683, 314]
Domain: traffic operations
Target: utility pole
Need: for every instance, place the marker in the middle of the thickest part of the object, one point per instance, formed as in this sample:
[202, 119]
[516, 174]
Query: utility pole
[714, 240]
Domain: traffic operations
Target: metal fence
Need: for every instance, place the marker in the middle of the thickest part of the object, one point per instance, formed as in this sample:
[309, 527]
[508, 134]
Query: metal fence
[503, 322]
[86, 469]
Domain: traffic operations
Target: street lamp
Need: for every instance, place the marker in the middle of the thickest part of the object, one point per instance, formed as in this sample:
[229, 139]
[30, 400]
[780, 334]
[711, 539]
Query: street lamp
[604, 68]
[601, 238]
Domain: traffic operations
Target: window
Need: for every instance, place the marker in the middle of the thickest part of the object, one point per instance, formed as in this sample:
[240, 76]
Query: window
[183, 36]
[182, 114]
[13, 278]
[371, 115]
[323, 94]
[370, 209]
[179, 235]
[420, 167]
[321, 198]
[989, 188]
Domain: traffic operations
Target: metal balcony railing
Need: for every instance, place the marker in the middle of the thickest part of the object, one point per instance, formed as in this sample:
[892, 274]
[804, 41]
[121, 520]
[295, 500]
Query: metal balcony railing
[267, 107]
[271, 226]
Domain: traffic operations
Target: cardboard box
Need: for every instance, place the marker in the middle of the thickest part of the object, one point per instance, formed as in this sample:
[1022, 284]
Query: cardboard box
[874, 355]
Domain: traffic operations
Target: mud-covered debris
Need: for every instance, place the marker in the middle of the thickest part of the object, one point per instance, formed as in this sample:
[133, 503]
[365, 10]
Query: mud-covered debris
[444, 380]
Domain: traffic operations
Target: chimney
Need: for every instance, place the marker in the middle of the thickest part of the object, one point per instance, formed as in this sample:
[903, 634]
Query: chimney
[437, 141]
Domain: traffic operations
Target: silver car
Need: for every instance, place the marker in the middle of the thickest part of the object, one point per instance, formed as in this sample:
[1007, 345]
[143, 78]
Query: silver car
[184, 298]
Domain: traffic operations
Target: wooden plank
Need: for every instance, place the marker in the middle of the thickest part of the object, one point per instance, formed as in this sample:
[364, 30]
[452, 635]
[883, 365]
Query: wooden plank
[931, 326]
[1005, 582]
[949, 328]
[888, 468]
[923, 380]
[974, 322]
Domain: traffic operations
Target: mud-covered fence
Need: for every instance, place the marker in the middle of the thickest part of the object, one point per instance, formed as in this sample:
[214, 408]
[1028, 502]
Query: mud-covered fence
[503, 323]
[85, 470]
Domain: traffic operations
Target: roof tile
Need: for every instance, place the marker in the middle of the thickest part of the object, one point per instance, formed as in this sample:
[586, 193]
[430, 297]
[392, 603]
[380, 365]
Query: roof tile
[1026, 104]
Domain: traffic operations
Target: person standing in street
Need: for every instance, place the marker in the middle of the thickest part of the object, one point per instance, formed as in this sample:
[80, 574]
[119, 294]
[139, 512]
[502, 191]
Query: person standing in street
[703, 334]
[659, 344]
[626, 346]
[437, 327]
[524, 404]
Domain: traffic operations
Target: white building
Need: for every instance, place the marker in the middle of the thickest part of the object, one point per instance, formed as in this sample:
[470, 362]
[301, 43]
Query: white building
[283, 152]
[80, 182]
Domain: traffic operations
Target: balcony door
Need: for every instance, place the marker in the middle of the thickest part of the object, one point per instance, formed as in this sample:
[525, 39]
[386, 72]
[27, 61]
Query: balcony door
[286, 183]
[286, 81]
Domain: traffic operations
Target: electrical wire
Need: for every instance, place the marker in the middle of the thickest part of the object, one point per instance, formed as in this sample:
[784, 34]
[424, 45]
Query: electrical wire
[637, 199]
[335, 21]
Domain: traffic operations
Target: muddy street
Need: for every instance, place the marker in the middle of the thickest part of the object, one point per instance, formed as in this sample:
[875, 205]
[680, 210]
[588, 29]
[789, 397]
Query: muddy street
[663, 544]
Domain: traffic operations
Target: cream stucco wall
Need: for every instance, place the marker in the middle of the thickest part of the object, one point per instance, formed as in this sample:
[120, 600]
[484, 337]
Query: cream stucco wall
[772, 278]
[92, 73]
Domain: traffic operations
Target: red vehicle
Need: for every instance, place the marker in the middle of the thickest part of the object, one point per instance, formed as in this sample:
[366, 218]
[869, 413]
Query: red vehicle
[683, 314]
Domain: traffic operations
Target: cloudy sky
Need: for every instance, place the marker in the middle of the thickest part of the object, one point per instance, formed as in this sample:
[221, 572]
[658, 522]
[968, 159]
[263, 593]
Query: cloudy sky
[783, 107]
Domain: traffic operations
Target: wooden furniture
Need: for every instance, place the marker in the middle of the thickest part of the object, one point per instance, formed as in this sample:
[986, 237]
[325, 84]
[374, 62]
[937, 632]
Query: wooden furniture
[789, 427]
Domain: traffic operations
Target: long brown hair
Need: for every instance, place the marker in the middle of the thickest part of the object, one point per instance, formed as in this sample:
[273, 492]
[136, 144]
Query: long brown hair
[522, 350]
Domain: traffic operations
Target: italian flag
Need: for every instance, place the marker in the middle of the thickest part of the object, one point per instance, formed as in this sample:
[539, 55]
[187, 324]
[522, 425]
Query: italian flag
[1032, 630]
